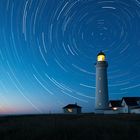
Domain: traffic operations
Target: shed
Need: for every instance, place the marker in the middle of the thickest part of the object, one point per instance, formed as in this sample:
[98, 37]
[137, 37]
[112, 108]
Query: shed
[115, 104]
[72, 109]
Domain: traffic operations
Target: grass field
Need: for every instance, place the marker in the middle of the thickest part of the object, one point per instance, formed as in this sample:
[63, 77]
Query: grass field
[70, 127]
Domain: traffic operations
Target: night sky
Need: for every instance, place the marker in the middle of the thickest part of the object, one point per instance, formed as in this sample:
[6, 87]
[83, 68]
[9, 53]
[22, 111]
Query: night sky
[48, 51]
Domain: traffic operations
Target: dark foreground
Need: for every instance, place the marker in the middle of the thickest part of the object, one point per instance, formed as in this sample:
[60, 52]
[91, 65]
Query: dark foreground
[67, 127]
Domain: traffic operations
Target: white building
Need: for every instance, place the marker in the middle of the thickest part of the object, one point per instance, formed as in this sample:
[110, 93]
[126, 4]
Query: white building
[130, 105]
[72, 109]
[126, 105]
[135, 110]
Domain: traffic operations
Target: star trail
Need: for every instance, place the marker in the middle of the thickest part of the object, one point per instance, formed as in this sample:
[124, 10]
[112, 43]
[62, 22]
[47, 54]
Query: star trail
[48, 49]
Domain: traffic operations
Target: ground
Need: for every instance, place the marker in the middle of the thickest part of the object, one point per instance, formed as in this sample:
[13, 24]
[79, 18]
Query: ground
[70, 127]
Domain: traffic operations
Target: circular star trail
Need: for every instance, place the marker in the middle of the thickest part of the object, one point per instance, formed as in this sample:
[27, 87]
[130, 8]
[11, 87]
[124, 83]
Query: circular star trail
[48, 49]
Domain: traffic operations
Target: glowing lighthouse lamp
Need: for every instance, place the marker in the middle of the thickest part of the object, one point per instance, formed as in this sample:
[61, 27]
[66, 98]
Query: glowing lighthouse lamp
[101, 97]
[101, 57]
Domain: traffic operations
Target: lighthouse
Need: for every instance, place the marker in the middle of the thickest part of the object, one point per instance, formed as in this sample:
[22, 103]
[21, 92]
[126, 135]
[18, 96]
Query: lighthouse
[101, 97]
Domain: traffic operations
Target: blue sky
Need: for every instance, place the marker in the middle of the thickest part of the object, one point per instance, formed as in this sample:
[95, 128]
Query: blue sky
[48, 49]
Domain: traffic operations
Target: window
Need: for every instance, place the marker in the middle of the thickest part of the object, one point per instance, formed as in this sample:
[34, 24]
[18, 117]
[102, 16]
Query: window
[101, 57]
[115, 108]
[70, 110]
[100, 78]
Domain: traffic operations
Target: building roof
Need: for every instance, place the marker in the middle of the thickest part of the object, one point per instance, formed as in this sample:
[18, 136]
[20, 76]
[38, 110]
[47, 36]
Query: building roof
[131, 101]
[100, 53]
[115, 103]
[72, 106]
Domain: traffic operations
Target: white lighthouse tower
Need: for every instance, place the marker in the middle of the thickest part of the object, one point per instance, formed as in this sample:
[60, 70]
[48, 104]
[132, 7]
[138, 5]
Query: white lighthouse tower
[101, 97]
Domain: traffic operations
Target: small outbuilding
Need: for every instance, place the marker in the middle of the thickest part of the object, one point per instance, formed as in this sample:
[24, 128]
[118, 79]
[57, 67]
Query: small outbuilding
[72, 109]
[115, 104]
